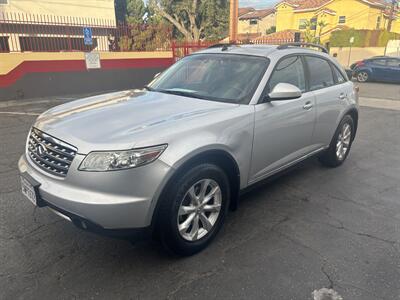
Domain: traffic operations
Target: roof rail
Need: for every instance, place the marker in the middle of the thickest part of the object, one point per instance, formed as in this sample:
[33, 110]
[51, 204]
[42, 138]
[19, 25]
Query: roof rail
[299, 44]
[221, 45]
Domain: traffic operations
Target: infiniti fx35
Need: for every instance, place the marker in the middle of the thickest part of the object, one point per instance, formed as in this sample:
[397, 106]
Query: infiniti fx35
[172, 158]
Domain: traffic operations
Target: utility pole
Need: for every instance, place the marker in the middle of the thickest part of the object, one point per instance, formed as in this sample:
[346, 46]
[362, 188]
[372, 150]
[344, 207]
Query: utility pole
[233, 20]
[392, 14]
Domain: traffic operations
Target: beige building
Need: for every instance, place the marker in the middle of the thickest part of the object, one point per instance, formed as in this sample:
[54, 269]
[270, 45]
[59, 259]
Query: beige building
[255, 21]
[56, 25]
[94, 9]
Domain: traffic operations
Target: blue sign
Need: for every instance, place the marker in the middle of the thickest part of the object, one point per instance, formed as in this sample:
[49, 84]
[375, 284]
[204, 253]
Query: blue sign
[87, 36]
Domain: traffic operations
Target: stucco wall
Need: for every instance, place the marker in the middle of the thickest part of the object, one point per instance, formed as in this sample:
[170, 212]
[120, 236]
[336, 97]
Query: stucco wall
[359, 53]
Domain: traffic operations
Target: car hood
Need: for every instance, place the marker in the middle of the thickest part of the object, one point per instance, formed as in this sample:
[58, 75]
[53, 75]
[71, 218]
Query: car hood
[116, 121]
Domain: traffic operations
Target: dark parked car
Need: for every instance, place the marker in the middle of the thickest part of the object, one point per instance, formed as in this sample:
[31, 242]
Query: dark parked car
[383, 68]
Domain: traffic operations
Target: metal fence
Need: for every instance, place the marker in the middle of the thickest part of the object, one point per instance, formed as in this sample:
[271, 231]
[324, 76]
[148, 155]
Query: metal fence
[47, 33]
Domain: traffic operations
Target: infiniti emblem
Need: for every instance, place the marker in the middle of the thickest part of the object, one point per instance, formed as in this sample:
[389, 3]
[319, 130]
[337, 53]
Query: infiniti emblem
[41, 150]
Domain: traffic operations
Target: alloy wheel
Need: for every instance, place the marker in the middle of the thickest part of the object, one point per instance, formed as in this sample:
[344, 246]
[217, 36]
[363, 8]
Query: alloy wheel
[199, 210]
[362, 76]
[343, 142]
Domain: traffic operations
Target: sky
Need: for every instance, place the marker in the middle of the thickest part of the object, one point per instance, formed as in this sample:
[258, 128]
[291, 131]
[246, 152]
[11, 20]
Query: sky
[257, 3]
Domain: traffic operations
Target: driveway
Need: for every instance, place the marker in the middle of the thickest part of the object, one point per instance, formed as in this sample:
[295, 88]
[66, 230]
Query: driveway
[310, 229]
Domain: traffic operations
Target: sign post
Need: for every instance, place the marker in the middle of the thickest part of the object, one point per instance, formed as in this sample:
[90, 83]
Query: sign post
[351, 41]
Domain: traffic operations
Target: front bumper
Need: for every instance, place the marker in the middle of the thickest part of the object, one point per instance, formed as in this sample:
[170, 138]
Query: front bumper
[116, 200]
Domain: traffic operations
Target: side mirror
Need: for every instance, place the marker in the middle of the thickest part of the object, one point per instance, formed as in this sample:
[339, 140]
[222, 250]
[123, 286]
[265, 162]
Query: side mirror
[284, 91]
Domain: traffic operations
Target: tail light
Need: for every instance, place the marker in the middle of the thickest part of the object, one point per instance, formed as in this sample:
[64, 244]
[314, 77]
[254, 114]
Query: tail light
[360, 63]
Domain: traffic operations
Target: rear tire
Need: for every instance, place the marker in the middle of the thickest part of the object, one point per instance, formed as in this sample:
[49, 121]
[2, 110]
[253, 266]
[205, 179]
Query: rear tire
[194, 209]
[340, 145]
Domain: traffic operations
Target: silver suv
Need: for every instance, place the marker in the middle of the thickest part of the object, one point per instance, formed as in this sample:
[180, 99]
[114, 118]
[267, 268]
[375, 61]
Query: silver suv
[172, 158]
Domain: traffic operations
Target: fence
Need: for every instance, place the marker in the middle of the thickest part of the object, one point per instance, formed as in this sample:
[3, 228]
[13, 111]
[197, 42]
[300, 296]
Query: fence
[47, 33]
[181, 49]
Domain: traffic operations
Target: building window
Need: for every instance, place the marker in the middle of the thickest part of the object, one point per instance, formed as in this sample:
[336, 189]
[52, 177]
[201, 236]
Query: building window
[3, 1]
[342, 19]
[378, 22]
[313, 24]
[253, 22]
[302, 23]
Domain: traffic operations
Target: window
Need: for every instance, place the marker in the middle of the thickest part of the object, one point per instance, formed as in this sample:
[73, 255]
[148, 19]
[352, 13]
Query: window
[342, 19]
[253, 22]
[393, 62]
[339, 76]
[381, 62]
[219, 77]
[302, 23]
[289, 70]
[320, 73]
[313, 24]
[378, 22]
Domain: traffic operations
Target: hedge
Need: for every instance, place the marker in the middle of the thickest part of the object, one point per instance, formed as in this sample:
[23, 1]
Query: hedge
[362, 38]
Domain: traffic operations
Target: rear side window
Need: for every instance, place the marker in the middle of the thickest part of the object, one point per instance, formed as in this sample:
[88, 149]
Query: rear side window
[320, 73]
[339, 76]
[289, 70]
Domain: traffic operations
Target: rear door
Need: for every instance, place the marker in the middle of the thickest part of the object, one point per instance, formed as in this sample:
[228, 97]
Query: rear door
[283, 129]
[331, 90]
[393, 65]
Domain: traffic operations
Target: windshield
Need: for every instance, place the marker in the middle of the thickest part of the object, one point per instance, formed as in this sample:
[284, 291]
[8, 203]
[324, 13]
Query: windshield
[220, 77]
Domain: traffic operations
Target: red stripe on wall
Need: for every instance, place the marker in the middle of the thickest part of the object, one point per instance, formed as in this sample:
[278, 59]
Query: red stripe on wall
[79, 66]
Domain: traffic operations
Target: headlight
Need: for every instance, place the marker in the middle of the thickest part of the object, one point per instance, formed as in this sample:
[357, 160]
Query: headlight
[119, 160]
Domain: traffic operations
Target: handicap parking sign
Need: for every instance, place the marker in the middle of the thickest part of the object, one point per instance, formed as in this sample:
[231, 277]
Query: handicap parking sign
[87, 36]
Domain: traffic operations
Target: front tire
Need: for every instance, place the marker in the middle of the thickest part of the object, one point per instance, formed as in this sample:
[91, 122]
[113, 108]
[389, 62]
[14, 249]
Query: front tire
[362, 76]
[194, 209]
[340, 145]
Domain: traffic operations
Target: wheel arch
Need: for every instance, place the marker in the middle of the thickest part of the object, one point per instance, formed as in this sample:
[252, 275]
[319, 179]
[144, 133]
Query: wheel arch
[353, 113]
[219, 157]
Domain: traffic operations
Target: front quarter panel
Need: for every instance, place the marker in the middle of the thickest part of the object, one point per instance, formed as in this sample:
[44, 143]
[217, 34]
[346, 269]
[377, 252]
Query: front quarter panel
[230, 131]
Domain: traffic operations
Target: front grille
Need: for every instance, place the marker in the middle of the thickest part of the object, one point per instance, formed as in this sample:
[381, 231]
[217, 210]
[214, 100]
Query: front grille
[50, 154]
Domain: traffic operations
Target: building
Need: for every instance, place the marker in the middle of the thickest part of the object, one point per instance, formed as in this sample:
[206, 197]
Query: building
[55, 25]
[332, 15]
[94, 9]
[255, 21]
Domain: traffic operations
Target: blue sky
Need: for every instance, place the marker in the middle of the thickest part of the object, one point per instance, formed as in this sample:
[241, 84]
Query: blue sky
[257, 3]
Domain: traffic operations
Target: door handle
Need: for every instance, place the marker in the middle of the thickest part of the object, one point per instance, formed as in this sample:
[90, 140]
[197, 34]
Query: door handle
[342, 96]
[308, 106]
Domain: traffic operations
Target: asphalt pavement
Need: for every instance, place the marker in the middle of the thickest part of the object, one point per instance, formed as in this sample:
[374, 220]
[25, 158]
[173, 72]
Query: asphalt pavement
[310, 229]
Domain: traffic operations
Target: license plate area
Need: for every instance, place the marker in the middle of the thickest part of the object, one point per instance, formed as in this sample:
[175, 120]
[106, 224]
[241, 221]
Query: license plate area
[30, 189]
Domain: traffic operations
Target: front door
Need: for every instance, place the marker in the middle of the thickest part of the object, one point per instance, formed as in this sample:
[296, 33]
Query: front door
[283, 129]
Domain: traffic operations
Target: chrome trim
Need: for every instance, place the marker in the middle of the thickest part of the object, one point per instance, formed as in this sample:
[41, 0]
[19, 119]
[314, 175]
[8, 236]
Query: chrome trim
[49, 153]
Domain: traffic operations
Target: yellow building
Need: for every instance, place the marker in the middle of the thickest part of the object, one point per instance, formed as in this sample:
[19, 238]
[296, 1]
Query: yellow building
[333, 14]
[94, 9]
[255, 21]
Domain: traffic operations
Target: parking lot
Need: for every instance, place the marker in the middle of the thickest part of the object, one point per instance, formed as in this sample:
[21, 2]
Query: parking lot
[309, 229]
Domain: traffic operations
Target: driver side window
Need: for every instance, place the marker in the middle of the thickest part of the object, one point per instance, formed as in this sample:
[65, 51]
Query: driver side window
[289, 70]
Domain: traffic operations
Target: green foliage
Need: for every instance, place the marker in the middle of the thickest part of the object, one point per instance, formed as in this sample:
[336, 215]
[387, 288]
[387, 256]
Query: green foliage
[135, 11]
[270, 30]
[362, 38]
[195, 19]
[120, 10]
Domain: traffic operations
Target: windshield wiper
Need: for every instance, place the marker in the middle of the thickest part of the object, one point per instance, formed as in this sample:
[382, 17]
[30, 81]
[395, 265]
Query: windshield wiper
[184, 94]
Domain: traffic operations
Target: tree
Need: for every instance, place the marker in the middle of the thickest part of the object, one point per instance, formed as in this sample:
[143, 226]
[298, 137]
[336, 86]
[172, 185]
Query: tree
[135, 11]
[195, 19]
[310, 34]
[120, 10]
[270, 30]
